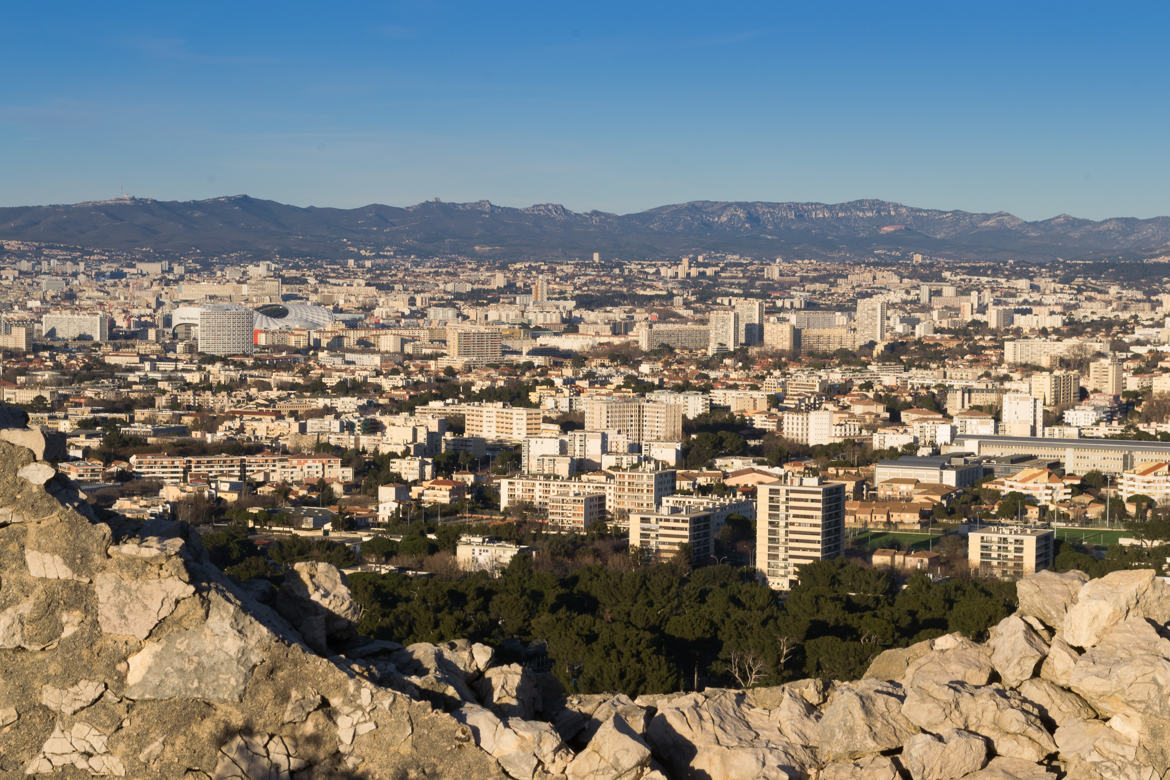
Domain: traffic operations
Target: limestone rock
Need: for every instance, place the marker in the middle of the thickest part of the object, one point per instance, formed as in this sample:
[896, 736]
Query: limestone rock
[8, 716]
[1016, 650]
[892, 664]
[1059, 663]
[862, 718]
[49, 566]
[616, 752]
[715, 735]
[868, 768]
[1105, 602]
[1047, 595]
[510, 690]
[949, 754]
[318, 603]
[73, 699]
[133, 606]
[1056, 704]
[521, 747]
[1008, 768]
[212, 661]
[44, 446]
[1013, 724]
[37, 473]
[1127, 671]
[582, 716]
[1095, 748]
[952, 657]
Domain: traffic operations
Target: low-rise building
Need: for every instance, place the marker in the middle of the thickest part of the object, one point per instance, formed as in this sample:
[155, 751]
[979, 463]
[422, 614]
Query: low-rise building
[1010, 551]
[480, 553]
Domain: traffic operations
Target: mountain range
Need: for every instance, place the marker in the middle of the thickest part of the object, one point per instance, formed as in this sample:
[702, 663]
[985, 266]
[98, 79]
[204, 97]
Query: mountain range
[856, 229]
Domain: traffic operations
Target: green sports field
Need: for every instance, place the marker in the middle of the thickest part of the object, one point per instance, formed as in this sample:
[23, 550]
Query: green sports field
[903, 540]
[1094, 537]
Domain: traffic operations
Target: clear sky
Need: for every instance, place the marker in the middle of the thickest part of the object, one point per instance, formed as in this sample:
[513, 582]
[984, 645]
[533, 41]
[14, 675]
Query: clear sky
[1032, 107]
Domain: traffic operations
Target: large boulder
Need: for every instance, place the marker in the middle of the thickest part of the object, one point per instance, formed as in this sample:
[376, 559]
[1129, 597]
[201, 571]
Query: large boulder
[1047, 595]
[1014, 725]
[1016, 650]
[868, 768]
[863, 718]
[1103, 603]
[1059, 663]
[315, 598]
[892, 664]
[949, 754]
[1009, 768]
[1096, 749]
[1128, 671]
[513, 691]
[1060, 706]
[951, 658]
[701, 736]
[524, 749]
[616, 752]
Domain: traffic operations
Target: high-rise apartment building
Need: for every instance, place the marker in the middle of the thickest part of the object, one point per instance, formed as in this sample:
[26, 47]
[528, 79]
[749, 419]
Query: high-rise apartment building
[639, 419]
[639, 489]
[1057, 388]
[797, 522]
[1106, 376]
[475, 344]
[1022, 415]
[871, 320]
[783, 336]
[724, 332]
[226, 329]
[751, 320]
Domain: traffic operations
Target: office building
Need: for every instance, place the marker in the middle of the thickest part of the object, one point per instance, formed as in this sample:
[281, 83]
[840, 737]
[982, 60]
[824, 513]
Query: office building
[1010, 552]
[797, 522]
[92, 327]
[226, 330]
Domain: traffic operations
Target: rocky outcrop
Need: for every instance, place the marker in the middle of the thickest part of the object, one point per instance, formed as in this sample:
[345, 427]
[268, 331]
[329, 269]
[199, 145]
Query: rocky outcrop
[124, 653]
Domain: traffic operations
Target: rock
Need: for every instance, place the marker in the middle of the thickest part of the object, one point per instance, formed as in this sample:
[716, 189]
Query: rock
[718, 735]
[1008, 768]
[37, 473]
[510, 691]
[432, 669]
[1128, 671]
[8, 716]
[868, 768]
[75, 698]
[799, 721]
[1093, 748]
[862, 718]
[300, 705]
[521, 747]
[43, 446]
[949, 754]
[212, 661]
[1047, 595]
[1016, 650]
[1105, 602]
[952, 657]
[133, 606]
[49, 566]
[1013, 724]
[582, 716]
[317, 601]
[892, 664]
[1061, 660]
[616, 752]
[1056, 704]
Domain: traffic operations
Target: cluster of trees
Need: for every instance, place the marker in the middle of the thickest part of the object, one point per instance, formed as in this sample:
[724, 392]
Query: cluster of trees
[660, 628]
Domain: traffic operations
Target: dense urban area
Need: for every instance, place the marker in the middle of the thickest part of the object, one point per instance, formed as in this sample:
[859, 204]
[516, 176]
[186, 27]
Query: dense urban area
[726, 470]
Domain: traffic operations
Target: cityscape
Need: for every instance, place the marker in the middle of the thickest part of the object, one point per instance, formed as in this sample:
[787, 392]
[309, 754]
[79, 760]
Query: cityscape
[797, 407]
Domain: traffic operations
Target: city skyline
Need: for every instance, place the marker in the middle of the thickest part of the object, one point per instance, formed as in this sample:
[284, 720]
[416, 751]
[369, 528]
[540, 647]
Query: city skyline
[1039, 111]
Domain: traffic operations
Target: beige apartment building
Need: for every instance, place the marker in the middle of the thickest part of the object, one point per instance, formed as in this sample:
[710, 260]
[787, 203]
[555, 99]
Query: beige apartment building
[1010, 552]
[797, 522]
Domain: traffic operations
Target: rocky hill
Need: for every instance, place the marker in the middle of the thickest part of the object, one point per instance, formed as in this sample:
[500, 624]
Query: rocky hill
[808, 230]
[124, 653]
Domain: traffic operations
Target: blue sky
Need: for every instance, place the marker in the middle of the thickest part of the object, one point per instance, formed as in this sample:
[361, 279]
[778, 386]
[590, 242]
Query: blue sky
[1037, 108]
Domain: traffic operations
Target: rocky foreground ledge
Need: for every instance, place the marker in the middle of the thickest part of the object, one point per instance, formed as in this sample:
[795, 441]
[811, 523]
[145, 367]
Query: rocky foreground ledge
[124, 652]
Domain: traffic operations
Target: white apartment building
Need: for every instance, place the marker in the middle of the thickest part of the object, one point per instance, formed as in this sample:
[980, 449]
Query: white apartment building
[479, 553]
[1146, 479]
[226, 330]
[63, 326]
[1041, 485]
[797, 522]
[1022, 415]
[497, 421]
[871, 320]
[1106, 376]
[639, 490]
[474, 344]
[661, 535]
[636, 418]
[576, 512]
[724, 332]
[750, 328]
[783, 336]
